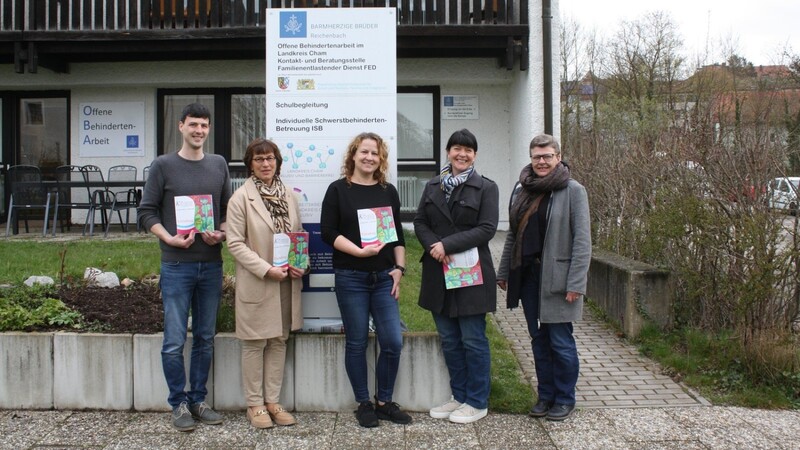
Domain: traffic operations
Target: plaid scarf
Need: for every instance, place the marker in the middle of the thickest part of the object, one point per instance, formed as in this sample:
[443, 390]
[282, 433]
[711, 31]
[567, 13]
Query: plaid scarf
[274, 198]
[450, 181]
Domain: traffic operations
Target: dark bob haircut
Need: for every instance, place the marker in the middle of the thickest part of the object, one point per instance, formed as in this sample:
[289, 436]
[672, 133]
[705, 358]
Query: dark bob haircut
[463, 138]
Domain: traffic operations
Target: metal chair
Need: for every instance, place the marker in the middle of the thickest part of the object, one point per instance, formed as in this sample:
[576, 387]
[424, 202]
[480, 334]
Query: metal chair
[28, 192]
[98, 197]
[69, 196]
[122, 200]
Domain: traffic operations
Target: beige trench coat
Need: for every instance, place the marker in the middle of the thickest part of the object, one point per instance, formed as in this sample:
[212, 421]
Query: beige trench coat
[250, 231]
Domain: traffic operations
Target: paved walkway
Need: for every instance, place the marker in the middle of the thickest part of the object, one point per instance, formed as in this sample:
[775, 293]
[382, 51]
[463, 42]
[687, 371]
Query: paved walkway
[624, 403]
[613, 374]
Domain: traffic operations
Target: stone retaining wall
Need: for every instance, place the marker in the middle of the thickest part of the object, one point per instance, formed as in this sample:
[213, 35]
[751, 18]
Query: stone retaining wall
[630, 292]
[123, 371]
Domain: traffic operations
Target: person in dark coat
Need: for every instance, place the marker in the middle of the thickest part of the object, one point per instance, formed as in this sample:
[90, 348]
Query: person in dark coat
[545, 264]
[458, 212]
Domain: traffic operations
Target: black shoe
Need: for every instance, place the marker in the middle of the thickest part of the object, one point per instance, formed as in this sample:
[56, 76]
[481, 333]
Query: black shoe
[560, 412]
[366, 415]
[391, 411]
[540, 408]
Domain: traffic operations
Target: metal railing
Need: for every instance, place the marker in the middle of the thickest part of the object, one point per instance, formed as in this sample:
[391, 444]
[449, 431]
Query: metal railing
[133, 15]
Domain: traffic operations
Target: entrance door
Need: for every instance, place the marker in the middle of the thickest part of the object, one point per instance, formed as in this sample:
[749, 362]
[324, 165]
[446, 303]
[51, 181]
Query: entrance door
[43, 132]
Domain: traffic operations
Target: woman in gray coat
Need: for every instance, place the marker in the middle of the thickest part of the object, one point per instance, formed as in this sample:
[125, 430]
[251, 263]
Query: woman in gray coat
[544, 264]
[458, 212]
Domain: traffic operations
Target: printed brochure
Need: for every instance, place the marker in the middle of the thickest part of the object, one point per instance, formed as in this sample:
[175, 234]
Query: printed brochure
[290, 249]
[464, 270]
[194, 212]
[376, 226]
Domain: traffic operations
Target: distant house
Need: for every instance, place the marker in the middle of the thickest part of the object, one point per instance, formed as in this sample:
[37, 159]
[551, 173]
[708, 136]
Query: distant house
[58, 54]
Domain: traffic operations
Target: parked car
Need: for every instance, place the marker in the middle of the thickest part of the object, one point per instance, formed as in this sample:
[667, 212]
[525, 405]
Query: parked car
[782, 194]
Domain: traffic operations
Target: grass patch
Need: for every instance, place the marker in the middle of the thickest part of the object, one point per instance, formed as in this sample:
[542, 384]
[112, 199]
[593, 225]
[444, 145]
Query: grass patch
[510, 392]
[722, 369]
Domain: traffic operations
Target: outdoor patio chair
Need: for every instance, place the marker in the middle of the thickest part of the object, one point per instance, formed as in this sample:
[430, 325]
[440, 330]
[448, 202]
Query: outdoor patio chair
[71, 193]
[124, 199]
[28, 193]
[97, 195]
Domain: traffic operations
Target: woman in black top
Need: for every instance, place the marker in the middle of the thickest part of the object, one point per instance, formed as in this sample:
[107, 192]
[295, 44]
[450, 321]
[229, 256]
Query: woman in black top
[367, 274]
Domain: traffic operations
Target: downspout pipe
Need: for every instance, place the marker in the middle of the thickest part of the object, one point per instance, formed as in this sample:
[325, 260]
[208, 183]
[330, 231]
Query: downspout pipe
[547, 64]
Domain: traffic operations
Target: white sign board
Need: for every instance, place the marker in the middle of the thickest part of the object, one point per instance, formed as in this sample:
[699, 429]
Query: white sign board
[111, 129]
[331, 74]
[464, 107]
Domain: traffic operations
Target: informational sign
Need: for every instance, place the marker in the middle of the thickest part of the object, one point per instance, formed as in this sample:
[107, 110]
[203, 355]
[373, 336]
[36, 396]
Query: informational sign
[111, 129]
[331, 74]
[464, 107]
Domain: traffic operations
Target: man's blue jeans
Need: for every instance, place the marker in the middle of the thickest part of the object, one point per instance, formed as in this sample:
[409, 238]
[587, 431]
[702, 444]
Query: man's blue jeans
[185, 286]
[361, 294]
[467, 356]
[554, 349]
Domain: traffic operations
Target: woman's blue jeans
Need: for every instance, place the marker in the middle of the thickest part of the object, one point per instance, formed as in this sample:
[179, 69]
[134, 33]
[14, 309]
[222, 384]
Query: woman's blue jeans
[361, 294]
[554, 349]
[185, 286]
[467, 356]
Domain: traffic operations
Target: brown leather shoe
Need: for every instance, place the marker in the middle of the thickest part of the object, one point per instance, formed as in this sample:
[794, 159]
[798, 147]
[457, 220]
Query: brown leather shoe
[279, 415]
[260, 418]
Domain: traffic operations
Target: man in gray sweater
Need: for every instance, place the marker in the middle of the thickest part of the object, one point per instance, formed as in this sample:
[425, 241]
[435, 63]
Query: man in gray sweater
[191, 261]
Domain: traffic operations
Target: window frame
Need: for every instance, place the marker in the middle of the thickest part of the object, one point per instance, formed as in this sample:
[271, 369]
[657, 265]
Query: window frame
[221, 120]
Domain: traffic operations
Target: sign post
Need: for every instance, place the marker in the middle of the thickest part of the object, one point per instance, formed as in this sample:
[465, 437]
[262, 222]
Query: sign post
[331, 74]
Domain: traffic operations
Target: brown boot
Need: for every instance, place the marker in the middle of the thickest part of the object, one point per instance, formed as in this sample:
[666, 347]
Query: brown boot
[259, 418]
[279, 415]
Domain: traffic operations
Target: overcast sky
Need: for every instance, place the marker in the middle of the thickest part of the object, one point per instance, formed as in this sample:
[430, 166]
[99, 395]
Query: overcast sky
[763, 27]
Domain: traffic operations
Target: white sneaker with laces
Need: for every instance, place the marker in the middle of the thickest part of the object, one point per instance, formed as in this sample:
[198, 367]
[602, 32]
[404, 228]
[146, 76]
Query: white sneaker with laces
[443, 411]
[467, 414]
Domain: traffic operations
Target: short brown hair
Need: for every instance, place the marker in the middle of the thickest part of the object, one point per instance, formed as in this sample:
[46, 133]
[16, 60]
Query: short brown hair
[261, 146]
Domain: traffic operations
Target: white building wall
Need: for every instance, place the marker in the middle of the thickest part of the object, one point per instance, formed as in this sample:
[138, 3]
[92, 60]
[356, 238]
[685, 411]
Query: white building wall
[510, 101]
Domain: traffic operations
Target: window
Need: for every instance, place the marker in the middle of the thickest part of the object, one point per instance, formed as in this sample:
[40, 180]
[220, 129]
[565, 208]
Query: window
[418, 138]
[237, 117]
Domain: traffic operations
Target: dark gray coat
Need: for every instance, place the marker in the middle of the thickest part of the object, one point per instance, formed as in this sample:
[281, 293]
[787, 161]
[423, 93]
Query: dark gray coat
[471, 222]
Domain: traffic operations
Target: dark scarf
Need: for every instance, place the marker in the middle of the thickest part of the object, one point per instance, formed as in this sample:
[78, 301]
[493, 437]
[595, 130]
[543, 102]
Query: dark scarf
[528, 198]
[450, 181]
[274, 198]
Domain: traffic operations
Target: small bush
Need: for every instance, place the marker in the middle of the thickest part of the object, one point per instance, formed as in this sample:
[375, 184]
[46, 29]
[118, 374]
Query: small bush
[23, 309]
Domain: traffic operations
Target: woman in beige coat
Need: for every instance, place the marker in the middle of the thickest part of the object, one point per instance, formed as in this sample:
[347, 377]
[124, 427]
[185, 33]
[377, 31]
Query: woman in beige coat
[267, 296]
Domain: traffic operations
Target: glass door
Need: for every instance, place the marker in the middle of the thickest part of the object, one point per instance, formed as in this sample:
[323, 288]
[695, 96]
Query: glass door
[43, 132]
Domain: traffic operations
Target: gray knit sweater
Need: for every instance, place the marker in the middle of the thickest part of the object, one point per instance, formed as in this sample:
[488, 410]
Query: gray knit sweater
[171, 176]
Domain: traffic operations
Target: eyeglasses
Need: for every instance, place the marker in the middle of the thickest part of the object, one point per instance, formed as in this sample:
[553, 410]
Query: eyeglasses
[547, 157]
[261, 159]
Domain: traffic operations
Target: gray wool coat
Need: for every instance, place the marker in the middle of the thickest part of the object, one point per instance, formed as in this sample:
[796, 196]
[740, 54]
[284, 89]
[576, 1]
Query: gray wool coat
[470, 222]
[566, 255]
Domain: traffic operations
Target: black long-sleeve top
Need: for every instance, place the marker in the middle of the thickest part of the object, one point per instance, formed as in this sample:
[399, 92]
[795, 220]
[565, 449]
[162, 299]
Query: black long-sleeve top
[339, 217]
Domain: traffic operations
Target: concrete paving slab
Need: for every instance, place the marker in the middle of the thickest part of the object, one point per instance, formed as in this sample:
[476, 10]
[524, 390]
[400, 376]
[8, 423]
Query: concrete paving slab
[504, 431]
[429, 433]
[778, 425]
[313, 431]
[96, 428]
[23, 429]
[349, 435]
[235, 431]
[649, 424]
[141, 441]
[25, 375]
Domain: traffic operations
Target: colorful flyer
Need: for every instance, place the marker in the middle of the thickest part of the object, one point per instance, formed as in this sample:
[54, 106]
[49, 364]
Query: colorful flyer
[376, 226]
[290, 249]
[464, 270]
[194, 213]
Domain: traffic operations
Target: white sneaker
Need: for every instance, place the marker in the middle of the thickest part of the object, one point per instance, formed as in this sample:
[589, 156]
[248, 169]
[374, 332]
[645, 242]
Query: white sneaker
[467, 414]
[443, 411]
